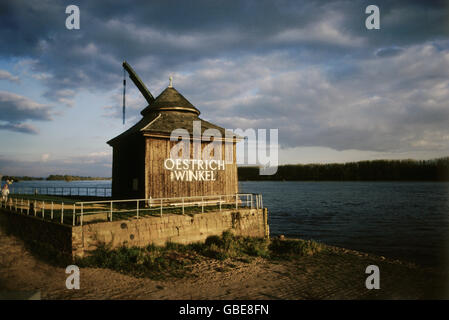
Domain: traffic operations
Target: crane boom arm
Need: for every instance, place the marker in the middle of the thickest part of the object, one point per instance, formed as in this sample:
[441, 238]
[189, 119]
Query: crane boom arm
[139, 84]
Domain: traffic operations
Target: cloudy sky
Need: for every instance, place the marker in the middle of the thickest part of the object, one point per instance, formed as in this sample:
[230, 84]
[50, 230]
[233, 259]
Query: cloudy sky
[335, 90]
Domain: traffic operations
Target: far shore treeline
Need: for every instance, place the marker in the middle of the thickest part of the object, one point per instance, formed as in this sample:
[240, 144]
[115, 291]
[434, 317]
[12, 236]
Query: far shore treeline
[376, 170]
[52, 177]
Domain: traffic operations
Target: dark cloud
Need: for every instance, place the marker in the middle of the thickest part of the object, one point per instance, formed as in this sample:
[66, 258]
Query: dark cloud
[310, 69]
[19, 127]
[397, 102]
[95, 164]
[63, 96]
[25, 24]
[134, 104]
[388, 52]
[5, 75]
[165, 35]
[15, 109]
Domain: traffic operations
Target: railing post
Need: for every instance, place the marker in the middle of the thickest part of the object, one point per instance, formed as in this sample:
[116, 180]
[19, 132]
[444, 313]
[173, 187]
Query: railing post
[219, 203]
[110, 212]
[137, 209]
[28, 207]
[43, 209]
[236, 201]
[202, 204]
[34, 208]
[74, 214]
[182, 205]
[21, 205]
[62, 212]
[81, 217]
[261, 201]
[161, 207]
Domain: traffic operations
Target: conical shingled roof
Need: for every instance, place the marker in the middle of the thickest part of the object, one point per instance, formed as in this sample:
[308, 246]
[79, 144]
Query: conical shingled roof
[170, 99]
[169, 111]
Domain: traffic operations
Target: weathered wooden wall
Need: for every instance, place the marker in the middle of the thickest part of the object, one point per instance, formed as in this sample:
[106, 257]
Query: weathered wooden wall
[128, 164]
[159, 184]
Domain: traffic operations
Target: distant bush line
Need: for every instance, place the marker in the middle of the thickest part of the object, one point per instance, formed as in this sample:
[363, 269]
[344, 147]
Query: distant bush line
[52, 177]
[376, 170]
[15, 179]
[73, 178]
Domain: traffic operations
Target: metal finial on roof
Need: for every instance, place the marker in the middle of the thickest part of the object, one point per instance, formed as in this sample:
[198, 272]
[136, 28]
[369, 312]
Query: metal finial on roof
[171, 82]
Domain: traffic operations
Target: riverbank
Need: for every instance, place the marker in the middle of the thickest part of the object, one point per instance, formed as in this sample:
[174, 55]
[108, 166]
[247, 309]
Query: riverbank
[334, 273]
[403, 220]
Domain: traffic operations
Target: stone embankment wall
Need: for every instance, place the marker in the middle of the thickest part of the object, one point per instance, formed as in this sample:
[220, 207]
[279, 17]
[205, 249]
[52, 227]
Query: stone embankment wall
[31, 228]
[79, 240]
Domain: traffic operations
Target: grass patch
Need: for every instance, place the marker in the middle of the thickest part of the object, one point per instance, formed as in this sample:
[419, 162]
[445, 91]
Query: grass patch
[152, 261]
[294, 248]
[175, 260]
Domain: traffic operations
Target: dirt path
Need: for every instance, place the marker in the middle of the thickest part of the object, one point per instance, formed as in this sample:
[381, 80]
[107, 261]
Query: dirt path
[339, 274]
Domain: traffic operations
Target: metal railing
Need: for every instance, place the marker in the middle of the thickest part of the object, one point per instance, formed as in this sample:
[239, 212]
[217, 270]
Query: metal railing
[63, 191]
[56, 211]
[76, 213]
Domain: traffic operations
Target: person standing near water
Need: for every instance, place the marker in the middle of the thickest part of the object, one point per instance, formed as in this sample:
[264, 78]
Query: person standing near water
[5, 192]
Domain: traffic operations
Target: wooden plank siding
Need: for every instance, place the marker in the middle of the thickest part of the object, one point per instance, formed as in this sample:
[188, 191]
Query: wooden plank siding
[128, 164]
[157, 179]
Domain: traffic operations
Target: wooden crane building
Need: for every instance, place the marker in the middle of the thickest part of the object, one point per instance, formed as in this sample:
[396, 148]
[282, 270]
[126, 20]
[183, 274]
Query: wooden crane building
[143, 156]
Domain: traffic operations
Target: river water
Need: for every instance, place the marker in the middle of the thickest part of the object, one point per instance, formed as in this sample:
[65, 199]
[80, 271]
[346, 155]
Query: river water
[404, 220]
